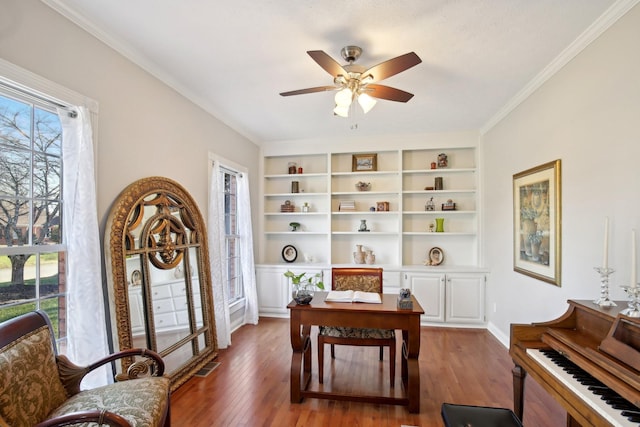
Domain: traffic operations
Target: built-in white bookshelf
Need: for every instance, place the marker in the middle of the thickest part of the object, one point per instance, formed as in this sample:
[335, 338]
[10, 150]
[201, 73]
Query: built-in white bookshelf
[403, 182]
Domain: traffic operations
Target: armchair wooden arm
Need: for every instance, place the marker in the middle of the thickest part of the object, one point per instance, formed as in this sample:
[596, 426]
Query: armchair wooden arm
[71, 374]
[101, 417]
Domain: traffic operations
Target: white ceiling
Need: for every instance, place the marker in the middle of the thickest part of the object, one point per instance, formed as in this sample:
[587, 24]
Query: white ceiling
[233, 58]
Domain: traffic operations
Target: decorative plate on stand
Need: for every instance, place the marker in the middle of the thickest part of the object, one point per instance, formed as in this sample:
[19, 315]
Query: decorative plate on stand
[436, 256]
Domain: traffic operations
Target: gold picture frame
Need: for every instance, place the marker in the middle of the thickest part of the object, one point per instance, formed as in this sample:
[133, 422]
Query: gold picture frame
[364, 163]
[537, 210]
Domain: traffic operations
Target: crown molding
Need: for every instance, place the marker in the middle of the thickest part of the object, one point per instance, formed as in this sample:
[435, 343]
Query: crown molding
[606, 20]
[139, 59]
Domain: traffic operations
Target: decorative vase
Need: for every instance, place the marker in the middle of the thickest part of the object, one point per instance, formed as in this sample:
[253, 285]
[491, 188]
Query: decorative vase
[439, 225]
[363, 225]
[359, 255]
[302, 296]
[370, 257]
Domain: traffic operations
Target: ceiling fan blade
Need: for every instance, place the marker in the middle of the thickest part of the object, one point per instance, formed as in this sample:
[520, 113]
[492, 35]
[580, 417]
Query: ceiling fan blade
[393, 66]
[310, 90]
[388, 93]
[327, 63]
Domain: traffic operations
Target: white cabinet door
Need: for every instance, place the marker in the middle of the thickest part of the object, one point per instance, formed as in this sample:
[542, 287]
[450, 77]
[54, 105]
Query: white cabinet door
[429, 290]
[391, 282]
[465, 298]
[272, 291]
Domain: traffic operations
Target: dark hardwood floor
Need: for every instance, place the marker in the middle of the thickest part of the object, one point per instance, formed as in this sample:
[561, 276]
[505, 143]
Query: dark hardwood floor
[250, 387]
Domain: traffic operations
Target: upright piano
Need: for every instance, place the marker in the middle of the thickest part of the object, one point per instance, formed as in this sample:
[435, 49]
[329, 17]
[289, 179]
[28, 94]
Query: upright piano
[588, 360]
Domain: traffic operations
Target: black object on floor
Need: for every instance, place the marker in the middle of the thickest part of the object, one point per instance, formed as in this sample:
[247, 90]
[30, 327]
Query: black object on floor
[478, 416]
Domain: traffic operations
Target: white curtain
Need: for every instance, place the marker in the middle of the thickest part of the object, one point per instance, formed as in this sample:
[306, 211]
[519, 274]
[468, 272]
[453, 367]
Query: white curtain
[86, 324]
[246, 251]
[218, 259]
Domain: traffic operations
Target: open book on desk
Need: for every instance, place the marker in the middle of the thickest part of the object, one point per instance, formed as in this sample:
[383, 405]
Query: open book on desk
[353, 296]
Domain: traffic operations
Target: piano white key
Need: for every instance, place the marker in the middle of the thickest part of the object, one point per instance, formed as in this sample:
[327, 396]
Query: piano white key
[613, 416]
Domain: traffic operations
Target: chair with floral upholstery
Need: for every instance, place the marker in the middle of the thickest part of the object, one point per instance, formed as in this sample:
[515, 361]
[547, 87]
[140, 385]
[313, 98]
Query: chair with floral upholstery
[357, 279]
[40, 388]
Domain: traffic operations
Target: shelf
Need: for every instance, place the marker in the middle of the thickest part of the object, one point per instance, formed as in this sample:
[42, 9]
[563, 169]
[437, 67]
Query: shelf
[295, 175]
[362, 173]
[364, 212]
[303, 194]
[436, 234]
[289, 233]
[470, 191]
[367, 233]
[438, 171]
[363, 193]
[455, 212]
[297, 213]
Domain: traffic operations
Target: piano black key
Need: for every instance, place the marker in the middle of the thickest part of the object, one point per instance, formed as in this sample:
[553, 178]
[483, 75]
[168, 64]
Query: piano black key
[633, 418]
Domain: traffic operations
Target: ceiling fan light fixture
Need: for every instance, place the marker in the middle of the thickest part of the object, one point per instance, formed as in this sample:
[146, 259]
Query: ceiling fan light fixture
[366, 79]
[341, 110]
[344, 98]
[366, 102]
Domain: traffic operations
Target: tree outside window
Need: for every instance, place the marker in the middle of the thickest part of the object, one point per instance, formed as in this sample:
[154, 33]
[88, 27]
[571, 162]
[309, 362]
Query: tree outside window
[31, 248]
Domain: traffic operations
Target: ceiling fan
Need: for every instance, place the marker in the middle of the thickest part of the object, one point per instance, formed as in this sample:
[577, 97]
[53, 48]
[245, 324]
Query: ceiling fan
[353, 81]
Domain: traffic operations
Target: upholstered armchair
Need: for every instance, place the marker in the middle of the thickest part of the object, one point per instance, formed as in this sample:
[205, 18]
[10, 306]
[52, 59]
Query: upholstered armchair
[357, 279]
[40, 388]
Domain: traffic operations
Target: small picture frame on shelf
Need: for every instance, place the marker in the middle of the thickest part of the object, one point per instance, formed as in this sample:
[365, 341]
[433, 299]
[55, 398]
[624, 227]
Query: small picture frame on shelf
[289, 253]
[443, 160]
[435, 256]
[382, 206]
[364, 163]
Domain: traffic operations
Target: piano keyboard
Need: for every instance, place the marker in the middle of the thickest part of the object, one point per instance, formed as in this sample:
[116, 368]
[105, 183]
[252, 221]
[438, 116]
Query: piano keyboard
[604, 401]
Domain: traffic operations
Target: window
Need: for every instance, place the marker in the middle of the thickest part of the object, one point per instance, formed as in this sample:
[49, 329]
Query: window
[32, 254]
[232, 237]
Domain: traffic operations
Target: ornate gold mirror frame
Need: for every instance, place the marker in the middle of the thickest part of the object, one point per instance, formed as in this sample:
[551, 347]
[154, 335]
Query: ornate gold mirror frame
[160, 282]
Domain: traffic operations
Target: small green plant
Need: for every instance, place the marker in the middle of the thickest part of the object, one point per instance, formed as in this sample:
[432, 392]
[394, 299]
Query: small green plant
[300, 282]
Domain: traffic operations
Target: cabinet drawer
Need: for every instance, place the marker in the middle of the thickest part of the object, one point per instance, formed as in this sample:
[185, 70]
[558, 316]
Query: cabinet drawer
[165, 320]
[160, 292]
[163, 306]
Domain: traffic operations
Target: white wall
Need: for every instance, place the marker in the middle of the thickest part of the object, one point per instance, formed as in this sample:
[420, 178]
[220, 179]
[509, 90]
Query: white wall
[587, 115]
[145, 128]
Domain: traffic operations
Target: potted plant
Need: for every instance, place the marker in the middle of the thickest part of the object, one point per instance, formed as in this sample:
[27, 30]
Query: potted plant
[303, 287]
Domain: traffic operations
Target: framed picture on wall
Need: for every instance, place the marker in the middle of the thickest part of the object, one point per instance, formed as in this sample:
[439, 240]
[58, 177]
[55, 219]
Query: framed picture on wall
[364, 163]
[536, 222]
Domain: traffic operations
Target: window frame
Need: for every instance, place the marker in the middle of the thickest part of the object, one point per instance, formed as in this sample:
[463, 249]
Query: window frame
[30, 247]
[16, 79]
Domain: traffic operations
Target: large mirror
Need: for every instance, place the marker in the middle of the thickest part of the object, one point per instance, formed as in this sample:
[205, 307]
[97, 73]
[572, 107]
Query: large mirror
[160, 282]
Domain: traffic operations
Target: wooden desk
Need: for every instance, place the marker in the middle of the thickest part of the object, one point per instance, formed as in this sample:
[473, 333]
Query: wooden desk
[382, 316]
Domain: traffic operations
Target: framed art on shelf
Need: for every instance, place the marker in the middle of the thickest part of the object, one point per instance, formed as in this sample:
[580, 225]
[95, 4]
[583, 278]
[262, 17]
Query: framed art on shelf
[364, 163]
[536, 222]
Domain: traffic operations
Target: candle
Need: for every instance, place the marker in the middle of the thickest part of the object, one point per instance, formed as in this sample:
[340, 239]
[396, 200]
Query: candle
[634, 267]
[605, 252]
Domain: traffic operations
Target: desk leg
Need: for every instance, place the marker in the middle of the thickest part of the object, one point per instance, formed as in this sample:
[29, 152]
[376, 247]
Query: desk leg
[410, 365]
[300, 358]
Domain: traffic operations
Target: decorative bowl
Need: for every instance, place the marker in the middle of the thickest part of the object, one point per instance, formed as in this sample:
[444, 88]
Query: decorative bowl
[363, 186]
